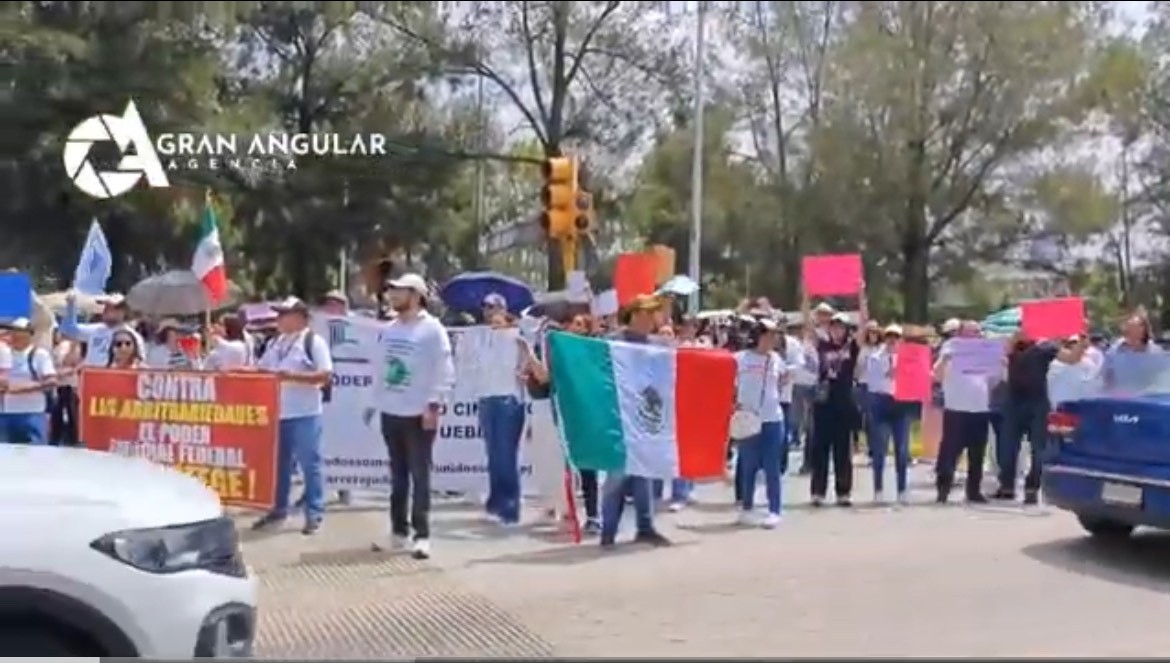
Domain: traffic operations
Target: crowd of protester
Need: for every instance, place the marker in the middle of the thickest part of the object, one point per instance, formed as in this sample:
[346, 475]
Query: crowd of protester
[819, 382]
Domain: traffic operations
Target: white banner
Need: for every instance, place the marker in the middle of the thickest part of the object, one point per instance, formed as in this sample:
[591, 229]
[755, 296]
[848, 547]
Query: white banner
[355, 455]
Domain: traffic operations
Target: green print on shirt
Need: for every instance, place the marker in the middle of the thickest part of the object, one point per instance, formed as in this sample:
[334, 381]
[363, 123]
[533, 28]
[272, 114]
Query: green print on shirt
[397, 373]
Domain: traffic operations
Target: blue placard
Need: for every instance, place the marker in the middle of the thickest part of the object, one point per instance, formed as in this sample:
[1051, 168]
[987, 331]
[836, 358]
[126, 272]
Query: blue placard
[15, 295]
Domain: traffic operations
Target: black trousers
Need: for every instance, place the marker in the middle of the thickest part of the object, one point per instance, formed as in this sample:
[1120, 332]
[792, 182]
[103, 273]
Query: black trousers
[589, 493]
[962, 432]
[832, 442]
[410, 448]
[63, 418]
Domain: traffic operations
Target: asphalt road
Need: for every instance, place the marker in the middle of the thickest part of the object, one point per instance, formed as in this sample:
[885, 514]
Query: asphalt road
[920, 580]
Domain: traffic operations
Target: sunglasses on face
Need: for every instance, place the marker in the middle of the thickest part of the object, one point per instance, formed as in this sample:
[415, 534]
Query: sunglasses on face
[123, 344]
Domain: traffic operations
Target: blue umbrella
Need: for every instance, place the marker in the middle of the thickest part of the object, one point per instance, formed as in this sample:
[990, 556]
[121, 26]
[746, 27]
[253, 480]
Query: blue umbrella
[467, 291]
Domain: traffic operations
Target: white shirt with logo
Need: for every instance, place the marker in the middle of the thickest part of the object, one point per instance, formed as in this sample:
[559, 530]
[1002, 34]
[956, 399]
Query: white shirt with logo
[756, 390]
[412, 367]
[29, 366]
[287, 353]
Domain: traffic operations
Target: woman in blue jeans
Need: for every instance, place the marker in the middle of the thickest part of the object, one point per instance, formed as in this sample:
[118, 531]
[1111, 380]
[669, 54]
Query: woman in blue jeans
[759, 372]
[888, 418]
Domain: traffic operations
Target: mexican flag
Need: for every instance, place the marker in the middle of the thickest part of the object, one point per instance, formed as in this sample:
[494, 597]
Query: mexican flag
[208, 260]
[649, 410]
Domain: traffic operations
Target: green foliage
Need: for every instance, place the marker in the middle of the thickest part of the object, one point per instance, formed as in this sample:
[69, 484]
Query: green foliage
[932, 137]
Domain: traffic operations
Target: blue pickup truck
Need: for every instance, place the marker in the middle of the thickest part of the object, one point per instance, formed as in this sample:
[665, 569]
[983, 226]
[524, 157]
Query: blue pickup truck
[1108, 454]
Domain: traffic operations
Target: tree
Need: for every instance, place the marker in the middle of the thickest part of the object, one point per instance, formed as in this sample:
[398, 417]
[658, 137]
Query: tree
[579, 75]
[933, 106]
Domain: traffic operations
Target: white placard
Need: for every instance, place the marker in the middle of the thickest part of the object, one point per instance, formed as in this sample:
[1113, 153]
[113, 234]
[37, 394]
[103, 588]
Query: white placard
[355, 455]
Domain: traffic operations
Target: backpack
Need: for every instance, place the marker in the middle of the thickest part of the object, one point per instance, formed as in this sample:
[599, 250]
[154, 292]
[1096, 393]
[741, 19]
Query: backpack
[327, 388]
[36, 376]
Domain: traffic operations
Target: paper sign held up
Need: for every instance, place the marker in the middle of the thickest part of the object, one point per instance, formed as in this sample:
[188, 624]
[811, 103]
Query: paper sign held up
[912, 373]
[832, 274]
[634, 274]
[1052, 318]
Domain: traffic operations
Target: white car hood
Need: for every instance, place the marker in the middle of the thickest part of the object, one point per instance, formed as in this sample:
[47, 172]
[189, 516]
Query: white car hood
[139, 492]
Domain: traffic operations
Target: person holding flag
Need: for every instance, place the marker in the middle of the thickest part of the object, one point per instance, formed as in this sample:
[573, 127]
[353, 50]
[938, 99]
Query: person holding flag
[94, 267]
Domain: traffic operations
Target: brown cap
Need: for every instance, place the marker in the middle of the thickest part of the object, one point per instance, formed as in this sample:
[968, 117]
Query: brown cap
[644, 303]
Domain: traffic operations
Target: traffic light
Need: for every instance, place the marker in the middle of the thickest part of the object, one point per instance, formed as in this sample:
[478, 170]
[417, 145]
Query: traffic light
[559, 198]
[583, 222]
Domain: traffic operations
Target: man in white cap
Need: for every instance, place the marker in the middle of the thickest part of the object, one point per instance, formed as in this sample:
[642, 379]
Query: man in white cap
[302, 362]
[97, 335]
[335, 303]
[30, 377]
[413, 379]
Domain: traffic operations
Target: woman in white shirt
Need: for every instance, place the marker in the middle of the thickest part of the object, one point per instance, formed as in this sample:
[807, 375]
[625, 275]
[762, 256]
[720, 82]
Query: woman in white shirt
[889, 418]
[759, 373]
[229, 346]
[169, 353]
[1073, 374]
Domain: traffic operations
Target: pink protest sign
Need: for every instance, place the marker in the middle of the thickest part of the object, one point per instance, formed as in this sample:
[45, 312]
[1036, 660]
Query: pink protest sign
[1053, 318]
[912, 373]
[832, 274]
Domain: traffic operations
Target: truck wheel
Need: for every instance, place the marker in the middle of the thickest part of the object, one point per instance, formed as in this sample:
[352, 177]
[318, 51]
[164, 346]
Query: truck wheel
[1105, 529]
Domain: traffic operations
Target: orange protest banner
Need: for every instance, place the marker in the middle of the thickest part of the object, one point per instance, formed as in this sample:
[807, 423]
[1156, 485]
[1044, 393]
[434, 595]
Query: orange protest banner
[218, 427]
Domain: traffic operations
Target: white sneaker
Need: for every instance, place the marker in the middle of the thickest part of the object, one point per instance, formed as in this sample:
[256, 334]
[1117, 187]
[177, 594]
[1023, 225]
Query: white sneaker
[395, 543]
[770, 521]
[421, 549]
[879, 499]
[903, 498]
[675, 507]
[746, 518]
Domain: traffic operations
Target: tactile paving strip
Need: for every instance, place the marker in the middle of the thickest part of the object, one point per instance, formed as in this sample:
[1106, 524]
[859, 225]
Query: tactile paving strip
[354, 605]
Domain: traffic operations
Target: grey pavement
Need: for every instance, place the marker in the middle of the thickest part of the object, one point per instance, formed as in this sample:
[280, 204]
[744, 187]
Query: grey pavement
[920, 580]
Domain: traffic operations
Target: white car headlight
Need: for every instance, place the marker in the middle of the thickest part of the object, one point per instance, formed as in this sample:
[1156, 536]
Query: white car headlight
[210, 545]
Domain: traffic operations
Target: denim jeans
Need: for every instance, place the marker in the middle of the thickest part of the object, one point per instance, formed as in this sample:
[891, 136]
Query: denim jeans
[763, 451]
[680, 490]
[786, 409]
[24, 428]
[889, 419]
[800, 421]
[501, 420]
[613, 501]
[300, 446]
[1021, 419]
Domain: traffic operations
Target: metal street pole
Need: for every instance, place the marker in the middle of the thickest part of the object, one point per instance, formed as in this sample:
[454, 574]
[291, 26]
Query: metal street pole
[478, 208]
[697, 164]
[342, 255]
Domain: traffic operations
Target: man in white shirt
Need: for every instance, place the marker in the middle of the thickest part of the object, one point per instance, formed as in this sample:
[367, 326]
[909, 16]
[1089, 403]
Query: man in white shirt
[413, 379]
[966, 422]
[97, 335]
[30, 376]
[301, 361]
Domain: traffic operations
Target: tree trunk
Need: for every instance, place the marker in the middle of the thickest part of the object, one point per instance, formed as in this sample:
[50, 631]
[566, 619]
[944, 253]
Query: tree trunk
[915, 278]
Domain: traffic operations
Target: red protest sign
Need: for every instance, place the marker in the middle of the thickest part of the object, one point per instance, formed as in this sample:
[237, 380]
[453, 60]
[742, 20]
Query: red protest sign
[912, 373]
[832, 274]
[1052, 318]
[634, 274]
